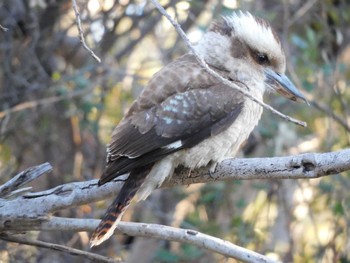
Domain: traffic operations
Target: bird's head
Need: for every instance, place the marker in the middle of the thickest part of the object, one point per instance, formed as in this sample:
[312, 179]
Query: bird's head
[251, 51]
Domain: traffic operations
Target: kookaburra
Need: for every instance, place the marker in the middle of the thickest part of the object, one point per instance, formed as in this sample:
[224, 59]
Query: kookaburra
[185, 116]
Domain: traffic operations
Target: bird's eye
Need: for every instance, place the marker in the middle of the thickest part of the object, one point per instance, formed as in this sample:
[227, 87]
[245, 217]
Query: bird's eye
[262, 58]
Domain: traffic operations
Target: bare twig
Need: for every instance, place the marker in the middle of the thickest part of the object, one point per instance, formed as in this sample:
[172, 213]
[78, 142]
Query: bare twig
[19, 192]
[331, 114]
[317, 105]
[4, 28]
[44, 101]
[301, 12]
[72, 251]
[81, 33]
[202, 62]
[24, 177]
[193, 237]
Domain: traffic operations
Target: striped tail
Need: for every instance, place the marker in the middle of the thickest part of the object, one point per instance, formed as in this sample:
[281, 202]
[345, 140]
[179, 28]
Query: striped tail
[116, 210]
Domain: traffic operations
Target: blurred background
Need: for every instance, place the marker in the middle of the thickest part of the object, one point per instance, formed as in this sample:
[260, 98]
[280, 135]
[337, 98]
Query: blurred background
[58, 105]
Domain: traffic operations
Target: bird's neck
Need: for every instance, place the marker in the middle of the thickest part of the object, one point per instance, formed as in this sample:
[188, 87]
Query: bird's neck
[214, 49]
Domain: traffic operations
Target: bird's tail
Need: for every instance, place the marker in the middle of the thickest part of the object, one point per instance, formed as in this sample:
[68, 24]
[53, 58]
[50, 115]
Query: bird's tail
[115, 211]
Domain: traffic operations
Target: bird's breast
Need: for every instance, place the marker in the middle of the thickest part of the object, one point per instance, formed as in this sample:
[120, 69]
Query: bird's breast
[224, 144]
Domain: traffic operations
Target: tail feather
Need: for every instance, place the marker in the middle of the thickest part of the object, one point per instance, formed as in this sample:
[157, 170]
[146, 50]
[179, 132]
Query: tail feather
[116, 210]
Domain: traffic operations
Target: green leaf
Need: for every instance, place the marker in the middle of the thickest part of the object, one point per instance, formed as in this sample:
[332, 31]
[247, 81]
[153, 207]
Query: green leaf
[167, 256]
[338, 208]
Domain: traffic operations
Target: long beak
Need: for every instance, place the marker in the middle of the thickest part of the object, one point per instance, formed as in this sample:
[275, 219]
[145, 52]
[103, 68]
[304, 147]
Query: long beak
[284, 86]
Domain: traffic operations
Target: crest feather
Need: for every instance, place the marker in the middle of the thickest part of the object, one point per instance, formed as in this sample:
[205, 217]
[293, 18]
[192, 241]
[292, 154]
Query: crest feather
[254, 31]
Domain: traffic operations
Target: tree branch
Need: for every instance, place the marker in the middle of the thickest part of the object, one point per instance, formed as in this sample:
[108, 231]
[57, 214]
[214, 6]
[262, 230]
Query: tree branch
[45, 101]
[309, 165]
[81, 33]
[31, 211]
[23, 178]
[75, 252]
[4, 28]
[157, 231]
[331, 113]
[202, 62]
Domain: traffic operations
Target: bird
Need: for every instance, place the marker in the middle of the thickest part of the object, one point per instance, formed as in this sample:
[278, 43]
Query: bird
[185, 116]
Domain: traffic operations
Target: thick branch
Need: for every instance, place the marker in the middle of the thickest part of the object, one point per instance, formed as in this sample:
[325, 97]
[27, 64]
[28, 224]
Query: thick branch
[310, 165]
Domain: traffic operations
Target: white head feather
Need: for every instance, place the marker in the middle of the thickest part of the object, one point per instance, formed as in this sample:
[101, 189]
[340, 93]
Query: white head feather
[257, 32]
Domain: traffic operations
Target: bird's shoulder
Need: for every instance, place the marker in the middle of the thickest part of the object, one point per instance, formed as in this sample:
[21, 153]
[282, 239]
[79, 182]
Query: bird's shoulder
[183, 74]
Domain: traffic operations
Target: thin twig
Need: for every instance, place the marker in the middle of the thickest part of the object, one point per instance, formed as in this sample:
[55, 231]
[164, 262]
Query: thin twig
[24, 177]
[4, 28]
[331, 114]
[45, 101]
[81, 33]
[72, 251]
[216, 75]
[19, 192]
[301, 12]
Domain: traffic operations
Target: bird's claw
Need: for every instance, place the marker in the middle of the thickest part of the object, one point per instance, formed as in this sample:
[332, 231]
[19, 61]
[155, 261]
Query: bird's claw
[212, 170]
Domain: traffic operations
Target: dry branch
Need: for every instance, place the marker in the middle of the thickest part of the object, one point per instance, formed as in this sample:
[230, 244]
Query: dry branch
[45, 101]
[309, 165]
[32, 210]
[162, 232]
[4, 28]
[23, 178]
[81, 33]
[72, 251]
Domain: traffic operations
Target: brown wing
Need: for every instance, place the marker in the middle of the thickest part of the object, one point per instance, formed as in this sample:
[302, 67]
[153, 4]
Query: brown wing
[181, 121]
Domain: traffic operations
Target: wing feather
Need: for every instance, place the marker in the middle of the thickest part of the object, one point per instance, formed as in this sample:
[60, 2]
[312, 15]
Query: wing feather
[181, 121]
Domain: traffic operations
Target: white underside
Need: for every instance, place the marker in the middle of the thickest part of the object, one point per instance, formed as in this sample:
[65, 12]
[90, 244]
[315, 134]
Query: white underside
[214, 149]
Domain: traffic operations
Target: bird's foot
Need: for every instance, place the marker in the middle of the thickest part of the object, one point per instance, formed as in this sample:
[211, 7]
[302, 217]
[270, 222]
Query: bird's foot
[212, 169]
